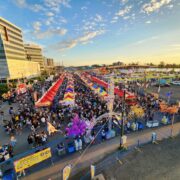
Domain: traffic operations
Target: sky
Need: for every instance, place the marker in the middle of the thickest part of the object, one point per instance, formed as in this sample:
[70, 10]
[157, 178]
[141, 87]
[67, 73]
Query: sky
[86, 32]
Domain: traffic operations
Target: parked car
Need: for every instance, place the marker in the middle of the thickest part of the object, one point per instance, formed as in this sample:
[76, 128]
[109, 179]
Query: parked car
[162, 85]
[176, 83]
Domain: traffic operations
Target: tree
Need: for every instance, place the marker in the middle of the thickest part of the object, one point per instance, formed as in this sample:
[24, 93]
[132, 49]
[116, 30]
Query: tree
[119, 63]
[95, 65]
[161, 64]
[3, 89]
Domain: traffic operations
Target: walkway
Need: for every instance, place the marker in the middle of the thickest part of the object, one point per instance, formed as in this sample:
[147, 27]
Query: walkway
[96, 153]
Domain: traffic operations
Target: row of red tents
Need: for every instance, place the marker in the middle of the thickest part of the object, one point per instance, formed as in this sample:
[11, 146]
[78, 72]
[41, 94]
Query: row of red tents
[47, 98]
[116, 90]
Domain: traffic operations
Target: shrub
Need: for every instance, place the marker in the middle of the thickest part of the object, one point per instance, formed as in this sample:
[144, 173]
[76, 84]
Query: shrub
[3, 89]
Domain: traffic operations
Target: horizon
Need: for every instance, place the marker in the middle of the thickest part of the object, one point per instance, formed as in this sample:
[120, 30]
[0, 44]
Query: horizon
[99, 32]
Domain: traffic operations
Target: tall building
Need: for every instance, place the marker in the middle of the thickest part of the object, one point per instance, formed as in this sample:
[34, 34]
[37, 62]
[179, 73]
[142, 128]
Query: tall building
[13, 62]
[49, 65]
[34, 53]
[48, 62]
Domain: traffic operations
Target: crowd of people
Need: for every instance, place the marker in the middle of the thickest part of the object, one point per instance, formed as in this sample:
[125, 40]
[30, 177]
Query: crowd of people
[26, 116]
[88, 106]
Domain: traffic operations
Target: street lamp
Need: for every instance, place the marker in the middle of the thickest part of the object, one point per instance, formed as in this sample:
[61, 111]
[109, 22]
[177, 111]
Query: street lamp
[123, 116]
[110, 99]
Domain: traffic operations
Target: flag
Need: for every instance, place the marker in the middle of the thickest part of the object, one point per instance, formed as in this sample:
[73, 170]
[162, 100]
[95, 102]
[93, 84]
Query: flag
[159, 89]
[92, 171]
[66, 172]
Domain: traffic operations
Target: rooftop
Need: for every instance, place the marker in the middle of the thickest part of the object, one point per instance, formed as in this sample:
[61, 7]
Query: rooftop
[6, 21]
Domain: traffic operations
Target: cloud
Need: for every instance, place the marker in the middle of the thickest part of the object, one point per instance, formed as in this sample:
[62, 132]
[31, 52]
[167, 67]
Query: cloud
[89, 36]
[126, 17]
[37, 26]
[55, 5]
[49, 14]
[146, 40]
[50, 32]
[92, 24]
[113, 21]
[86, 38]
[170, 6]
[124, 1]
[24, 4]
[83, 8]
[154, 5]
[49, 20]
[124, 11]
[62, 20]
[20, 3]
[148, 22]
[67, 45]
[115, 18]
[58, 21]
[36, 7]
[98, 18]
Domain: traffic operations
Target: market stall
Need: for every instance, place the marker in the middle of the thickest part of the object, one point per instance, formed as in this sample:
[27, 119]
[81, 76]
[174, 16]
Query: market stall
[47, 98]
[69, 95]
[116, 90]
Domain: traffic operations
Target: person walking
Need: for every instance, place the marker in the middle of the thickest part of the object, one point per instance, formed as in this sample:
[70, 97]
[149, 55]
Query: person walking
[13, 141]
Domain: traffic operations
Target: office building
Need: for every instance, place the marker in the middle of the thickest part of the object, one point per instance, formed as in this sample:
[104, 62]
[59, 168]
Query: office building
[49, 62]
[34, 54]
[13, 62]
[49, 65]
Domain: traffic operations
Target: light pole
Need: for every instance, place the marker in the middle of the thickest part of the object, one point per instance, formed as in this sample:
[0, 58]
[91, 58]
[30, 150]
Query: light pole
[110, 106]
[123, 116]
[110, 99]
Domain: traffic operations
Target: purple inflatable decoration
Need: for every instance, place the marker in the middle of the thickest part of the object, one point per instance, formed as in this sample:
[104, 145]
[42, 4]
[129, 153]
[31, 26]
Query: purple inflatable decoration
[78, 127]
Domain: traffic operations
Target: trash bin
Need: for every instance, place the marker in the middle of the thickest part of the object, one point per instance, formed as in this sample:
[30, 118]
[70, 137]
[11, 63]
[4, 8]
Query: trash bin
[123, 140]
[71, 148]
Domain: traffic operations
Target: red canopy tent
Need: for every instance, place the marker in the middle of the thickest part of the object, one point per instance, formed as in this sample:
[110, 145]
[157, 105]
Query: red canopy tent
[47, 98]
[116, 90]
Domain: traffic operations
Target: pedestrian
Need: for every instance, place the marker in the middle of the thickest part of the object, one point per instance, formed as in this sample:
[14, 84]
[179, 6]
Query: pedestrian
[13, 141]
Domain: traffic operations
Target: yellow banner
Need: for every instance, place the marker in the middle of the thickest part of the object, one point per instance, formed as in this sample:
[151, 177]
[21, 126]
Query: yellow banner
[92, 171]
[31, 160]
[66, 172]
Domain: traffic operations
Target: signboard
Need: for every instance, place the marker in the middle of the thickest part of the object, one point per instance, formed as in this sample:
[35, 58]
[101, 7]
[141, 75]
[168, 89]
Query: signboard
[32, 159]
[92, 171]
[66, 172]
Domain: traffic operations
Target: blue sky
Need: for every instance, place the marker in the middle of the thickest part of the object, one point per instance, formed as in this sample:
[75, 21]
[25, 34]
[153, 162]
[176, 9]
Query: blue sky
[85, 32]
